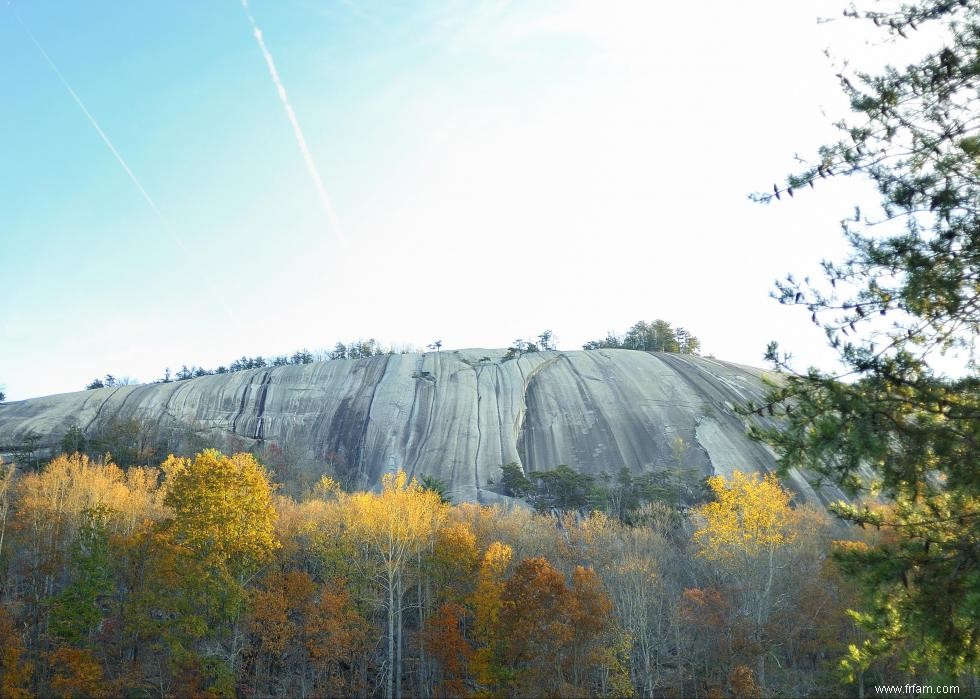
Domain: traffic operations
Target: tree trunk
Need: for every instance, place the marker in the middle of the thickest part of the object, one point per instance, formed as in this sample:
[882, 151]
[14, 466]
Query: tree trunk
[398, 649]
[390, 683]
[761, 671]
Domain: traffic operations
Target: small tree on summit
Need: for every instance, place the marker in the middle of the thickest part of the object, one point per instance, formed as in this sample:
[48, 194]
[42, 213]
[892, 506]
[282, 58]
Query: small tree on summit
[546, 340]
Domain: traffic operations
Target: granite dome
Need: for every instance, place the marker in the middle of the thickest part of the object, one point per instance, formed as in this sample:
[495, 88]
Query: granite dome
[457, 415]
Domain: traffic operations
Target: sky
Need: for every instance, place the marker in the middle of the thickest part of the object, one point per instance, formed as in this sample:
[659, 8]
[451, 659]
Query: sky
[179, 188]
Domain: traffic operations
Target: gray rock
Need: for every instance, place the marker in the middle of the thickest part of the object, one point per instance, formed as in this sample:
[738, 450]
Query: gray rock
[455, 415]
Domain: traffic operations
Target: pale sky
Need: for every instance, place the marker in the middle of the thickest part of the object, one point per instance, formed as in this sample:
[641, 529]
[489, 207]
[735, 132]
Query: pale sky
[473, 172]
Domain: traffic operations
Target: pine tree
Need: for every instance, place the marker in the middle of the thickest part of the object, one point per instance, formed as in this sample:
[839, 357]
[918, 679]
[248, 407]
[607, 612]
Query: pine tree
[898, 310]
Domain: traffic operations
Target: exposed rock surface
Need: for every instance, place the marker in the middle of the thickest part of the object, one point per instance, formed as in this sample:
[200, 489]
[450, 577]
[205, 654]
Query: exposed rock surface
[456, 415]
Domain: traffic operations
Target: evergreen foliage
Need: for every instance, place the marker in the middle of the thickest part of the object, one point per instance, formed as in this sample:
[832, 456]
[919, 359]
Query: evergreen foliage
[623, 496]
[903, 311]
[656, 336]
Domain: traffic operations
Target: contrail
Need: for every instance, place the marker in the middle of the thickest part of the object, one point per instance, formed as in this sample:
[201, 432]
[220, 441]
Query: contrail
[297, 131]
[91, 119]
[118, 156]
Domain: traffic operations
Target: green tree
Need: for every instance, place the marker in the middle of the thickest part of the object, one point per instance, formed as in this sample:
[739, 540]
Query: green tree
[513, 481]
[903, 312]
[546, 340]
[656, 336]
[77, 611]
[303, 356]
[566, 489]
[74, 441]
[519, 348]
[27, 455]
[437, 486]
[129, 440]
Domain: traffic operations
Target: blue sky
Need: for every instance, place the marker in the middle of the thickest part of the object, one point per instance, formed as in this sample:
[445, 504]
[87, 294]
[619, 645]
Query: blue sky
[496, 169]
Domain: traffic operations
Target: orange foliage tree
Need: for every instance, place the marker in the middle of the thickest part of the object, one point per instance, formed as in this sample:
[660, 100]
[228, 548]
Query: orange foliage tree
[305, 638]
[15, 670]
[76, 674]
[444, 639]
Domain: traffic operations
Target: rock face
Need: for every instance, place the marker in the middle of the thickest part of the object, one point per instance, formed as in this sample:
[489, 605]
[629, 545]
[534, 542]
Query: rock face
[455, 415]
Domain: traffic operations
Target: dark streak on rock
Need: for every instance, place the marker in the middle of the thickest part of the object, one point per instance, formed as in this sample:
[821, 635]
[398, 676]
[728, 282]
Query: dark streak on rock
[418, 434]
[347, 432]
[260, 409]
[241, 407]
[479, 436]
[98, 411]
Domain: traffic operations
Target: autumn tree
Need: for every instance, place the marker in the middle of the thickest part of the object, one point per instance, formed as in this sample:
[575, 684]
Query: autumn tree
[744, 530]
[487, 602]
[76, 674]
[597, 649]
[304, 637]
[453, 561]
[393, 527]
[547, 637]
[903, 313]
[222, 509]
[534, 628]
[224, 518]
[445, 641]
[15, 668]
[644, 572]
[167, 611]
[50, 511]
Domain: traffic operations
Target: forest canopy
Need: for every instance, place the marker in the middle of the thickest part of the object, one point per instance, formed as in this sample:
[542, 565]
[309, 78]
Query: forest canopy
[196, 577]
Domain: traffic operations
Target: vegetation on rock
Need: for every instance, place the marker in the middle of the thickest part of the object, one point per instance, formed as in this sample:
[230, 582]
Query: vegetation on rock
[656, 336]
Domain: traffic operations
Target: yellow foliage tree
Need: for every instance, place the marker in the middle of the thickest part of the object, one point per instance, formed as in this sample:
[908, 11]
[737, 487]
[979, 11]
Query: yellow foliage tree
[222, 509]
[749, 516]
[393, 527]
[742, 530]
[76, 674]
[487, 603]
[223, 516]
[454, 559]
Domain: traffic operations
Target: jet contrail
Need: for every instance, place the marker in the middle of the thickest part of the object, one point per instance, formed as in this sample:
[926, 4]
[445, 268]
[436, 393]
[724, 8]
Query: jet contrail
[118, 156]
[297, 131]
[91, 119]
